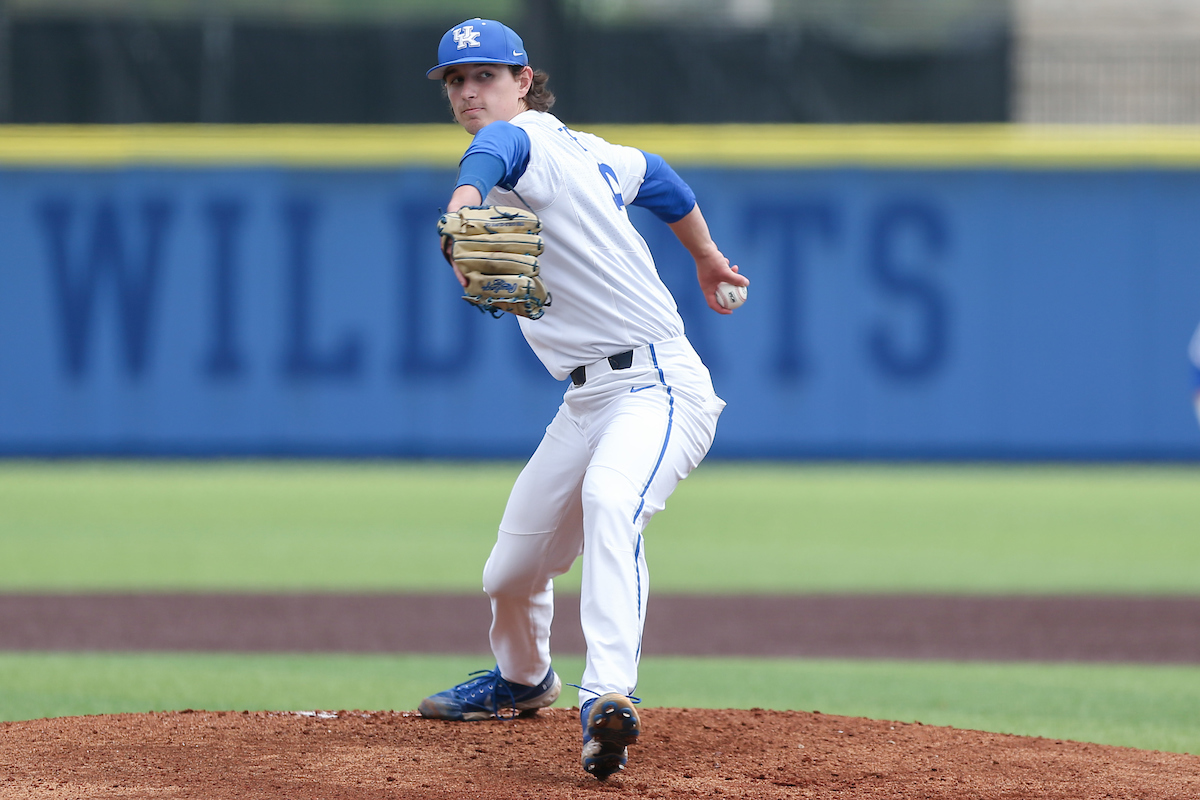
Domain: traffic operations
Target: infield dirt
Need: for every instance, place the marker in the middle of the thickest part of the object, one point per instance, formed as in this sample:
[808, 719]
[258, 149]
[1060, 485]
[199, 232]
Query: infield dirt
[683, 753]
[753, 754]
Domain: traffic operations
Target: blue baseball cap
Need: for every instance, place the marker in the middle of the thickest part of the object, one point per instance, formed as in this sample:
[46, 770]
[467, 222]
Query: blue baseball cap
[478, 41]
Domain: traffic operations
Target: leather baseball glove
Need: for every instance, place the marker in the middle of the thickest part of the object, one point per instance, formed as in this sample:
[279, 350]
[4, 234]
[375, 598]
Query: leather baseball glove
[496, 248]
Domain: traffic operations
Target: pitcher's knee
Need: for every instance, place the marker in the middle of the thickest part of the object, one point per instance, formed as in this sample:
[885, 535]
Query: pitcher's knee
[522, 565]
[508, 580]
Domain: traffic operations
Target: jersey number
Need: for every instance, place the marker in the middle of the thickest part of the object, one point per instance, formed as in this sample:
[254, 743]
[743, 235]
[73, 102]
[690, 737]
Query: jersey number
[610, 178]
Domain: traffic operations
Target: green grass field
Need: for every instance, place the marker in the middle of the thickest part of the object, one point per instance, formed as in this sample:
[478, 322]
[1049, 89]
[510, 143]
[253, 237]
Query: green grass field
[728, 528]
[90, 526]
[1146, 707]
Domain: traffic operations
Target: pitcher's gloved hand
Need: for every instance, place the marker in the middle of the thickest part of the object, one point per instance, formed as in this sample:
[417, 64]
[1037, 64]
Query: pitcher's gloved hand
[496, 249]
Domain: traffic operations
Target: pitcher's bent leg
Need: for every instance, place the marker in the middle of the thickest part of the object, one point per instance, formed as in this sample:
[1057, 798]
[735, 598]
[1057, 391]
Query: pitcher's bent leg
[540, 536]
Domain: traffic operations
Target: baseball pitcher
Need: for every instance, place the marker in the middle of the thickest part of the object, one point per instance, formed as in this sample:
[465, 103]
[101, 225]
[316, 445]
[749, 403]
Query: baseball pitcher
[537, 227]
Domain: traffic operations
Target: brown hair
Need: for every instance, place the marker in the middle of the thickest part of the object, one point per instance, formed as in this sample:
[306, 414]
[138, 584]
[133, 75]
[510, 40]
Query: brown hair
[539, 97]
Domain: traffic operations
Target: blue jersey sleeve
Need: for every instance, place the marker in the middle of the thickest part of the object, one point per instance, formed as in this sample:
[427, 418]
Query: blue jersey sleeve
[503, 142]
[663, 191]
[481, 170]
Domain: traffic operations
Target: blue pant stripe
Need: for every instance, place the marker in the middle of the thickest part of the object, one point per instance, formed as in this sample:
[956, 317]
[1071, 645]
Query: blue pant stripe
[637, 552]
[666, 439]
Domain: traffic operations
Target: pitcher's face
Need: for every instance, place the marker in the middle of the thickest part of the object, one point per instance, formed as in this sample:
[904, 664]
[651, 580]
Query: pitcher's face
[483, 93]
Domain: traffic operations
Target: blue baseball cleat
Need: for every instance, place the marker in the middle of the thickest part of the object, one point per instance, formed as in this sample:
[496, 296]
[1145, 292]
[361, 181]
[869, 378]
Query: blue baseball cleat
[610, 725]
[490, 696]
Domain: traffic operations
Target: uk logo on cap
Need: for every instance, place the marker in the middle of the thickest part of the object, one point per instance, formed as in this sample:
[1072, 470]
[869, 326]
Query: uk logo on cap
[478, 41]
[466, 36]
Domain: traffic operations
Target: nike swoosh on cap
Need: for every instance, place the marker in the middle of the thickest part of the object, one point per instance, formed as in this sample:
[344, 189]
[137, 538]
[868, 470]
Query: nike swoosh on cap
[516, 53]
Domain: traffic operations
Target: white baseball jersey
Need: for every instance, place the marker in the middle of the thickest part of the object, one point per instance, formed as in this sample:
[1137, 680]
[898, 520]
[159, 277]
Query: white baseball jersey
[606, 294]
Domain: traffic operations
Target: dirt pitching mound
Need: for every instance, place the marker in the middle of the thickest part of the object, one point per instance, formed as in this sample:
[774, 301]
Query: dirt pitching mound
[683, 753]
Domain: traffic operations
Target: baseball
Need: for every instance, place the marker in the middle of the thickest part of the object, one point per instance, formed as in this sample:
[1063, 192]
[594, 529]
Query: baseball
[730, 296]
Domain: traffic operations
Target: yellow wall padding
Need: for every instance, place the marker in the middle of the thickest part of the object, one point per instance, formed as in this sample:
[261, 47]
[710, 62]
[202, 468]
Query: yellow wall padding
[749, 146]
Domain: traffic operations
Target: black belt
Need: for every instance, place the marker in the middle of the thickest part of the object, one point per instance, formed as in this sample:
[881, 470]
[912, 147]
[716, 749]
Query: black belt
[617, 362]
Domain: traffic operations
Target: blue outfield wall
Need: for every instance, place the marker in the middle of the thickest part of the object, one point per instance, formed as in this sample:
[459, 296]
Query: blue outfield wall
[974, 312]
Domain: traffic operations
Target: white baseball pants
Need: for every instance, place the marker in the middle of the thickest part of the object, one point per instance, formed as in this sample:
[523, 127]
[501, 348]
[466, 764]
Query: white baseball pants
[609, 460]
